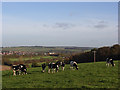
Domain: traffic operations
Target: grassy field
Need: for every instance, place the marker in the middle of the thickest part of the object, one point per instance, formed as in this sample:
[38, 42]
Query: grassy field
[32, 58]
[47, 49]
[89, 75]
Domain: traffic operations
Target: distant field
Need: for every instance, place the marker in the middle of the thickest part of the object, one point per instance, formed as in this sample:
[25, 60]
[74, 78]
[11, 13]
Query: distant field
[33, 58]
[46, 49]
[89, 75]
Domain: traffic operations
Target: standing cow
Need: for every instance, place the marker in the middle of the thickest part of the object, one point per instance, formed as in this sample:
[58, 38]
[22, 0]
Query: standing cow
[43, 67]
[109, 61]
[19, 69]
[73, 64]
[16, 70]
[61, 64]
[53, 67]
[23, 69]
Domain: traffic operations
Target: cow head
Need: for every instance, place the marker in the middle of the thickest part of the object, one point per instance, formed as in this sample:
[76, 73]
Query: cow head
[76, 68]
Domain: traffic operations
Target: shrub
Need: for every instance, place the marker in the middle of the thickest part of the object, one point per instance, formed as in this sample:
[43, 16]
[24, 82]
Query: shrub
[34, 64]
[6, 61]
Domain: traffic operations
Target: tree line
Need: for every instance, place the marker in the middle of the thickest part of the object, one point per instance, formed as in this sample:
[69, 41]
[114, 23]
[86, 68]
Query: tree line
[100, 54]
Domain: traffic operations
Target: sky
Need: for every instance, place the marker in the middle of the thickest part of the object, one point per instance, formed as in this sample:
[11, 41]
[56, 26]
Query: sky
[0, 25]
[82, 24]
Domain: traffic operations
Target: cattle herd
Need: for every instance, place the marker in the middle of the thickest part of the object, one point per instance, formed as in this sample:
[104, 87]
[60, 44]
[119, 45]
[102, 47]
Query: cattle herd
[21, 69]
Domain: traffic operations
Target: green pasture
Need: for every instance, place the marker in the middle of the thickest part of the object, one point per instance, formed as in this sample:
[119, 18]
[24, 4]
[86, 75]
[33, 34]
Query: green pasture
[89, 75]
[32, 58]
[41, 49]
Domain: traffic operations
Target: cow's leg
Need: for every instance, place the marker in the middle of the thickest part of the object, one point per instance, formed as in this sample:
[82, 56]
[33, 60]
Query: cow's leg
[114, 64]
[106, 64]
[19, 72]
[63, 68]
[111, 64]
[14, 72]
[54, 70]
[22, 72]
[43, 71]
[48, 70]
[25, 72]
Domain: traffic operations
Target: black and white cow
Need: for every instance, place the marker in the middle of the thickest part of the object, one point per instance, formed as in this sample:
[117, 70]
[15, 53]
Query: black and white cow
[19, 69]
[53, 67]
[23, 69]
[109, 62]
[73, 64]
[15, 70]
[61, 64]
[43, 67]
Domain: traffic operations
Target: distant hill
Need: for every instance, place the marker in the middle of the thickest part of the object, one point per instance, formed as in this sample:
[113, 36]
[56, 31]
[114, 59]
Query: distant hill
[61, 49]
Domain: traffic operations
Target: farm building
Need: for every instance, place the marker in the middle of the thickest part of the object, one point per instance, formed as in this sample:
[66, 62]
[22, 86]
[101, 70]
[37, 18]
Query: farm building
[51, 54]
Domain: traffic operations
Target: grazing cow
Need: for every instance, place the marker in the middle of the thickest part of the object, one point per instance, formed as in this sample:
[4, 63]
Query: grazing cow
[23, 69]
[19, 69]
[15, 70]
[73, 64]
[109, 61]
[53, 67]
[43, 67]
[61, 64]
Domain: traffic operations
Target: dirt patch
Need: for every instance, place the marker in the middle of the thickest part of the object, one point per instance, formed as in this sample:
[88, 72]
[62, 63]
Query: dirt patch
[3, 67]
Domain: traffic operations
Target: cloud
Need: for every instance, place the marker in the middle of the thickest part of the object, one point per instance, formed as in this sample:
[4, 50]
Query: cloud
[45, 25]
[101, 24]
[63, 25]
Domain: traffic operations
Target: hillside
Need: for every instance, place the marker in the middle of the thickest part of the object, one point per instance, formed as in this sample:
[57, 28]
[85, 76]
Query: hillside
[89, 75]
